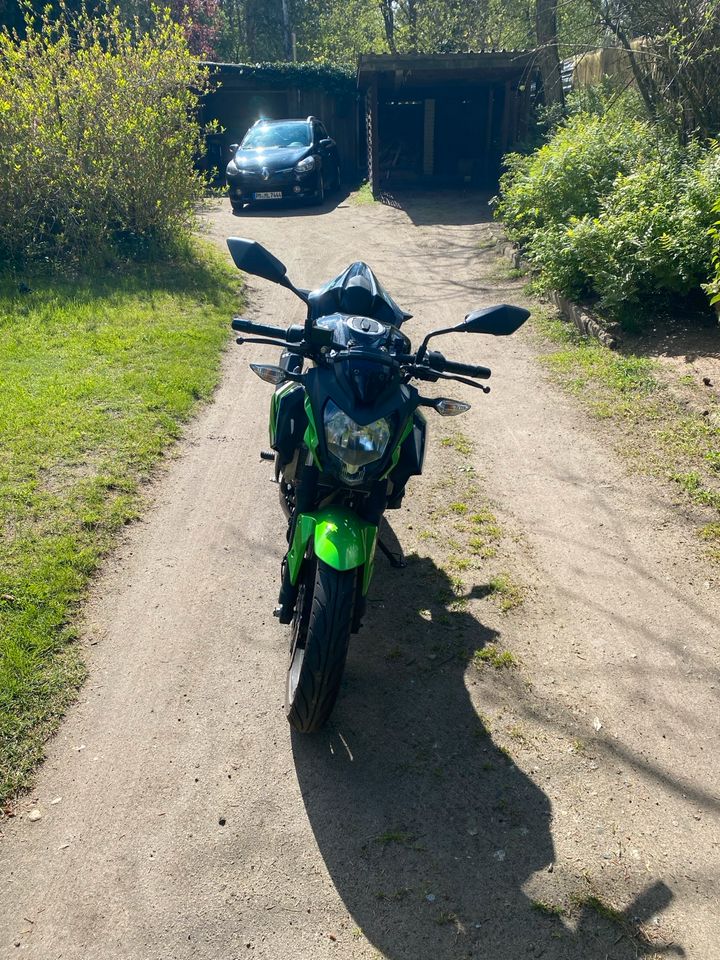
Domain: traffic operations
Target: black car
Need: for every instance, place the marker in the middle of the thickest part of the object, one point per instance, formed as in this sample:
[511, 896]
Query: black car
[280, 159]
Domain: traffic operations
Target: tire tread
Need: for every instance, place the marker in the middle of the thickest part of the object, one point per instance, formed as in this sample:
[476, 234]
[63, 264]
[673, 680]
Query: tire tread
[326, 647]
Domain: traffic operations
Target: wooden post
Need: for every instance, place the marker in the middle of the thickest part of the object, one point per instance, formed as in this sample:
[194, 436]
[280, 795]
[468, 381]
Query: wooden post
[514, 104]
[429, 139]
[488, 131]
[525, 107]
[505, 131]
[371, 121]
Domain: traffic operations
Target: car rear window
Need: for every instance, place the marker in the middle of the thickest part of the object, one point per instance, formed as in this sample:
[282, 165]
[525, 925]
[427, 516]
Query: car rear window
[292, 134]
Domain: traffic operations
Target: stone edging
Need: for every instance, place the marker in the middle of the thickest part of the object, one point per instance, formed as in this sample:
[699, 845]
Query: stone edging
[584, 321]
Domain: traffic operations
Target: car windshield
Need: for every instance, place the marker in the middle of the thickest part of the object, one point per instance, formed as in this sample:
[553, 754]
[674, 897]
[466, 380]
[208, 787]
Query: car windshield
[265, 135]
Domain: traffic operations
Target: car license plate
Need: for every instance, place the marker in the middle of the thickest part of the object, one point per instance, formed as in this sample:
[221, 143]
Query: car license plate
[269, 195]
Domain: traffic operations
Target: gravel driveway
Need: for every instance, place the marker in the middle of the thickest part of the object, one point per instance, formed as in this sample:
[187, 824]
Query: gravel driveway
[565, 807]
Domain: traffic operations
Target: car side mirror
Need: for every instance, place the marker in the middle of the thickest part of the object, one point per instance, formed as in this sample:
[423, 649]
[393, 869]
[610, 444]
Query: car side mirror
[327, 142]
[233, 148]
[252, 257]
[500, 321]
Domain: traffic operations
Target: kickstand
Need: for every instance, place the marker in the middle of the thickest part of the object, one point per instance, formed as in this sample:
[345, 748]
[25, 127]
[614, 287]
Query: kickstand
[397, 560]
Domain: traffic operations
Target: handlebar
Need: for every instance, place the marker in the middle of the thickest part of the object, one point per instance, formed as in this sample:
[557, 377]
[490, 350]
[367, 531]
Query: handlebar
[259, 329]
[434, 360]
[440, 363]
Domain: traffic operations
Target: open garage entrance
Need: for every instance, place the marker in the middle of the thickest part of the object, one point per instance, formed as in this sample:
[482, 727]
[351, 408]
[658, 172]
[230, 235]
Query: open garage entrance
[443, 120]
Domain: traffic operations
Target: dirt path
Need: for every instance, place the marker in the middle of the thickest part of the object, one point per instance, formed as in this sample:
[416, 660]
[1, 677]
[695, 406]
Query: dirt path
[449, 811]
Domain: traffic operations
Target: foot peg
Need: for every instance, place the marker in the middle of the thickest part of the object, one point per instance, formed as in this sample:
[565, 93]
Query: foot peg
[267, 455]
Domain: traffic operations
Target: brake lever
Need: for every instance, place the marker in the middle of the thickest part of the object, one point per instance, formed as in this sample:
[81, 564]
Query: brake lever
[432, 376]
[294, 347]
[465, 380]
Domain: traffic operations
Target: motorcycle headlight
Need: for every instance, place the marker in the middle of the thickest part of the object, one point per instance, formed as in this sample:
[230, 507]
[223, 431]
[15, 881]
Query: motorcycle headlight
[354, 445]
[306, 165]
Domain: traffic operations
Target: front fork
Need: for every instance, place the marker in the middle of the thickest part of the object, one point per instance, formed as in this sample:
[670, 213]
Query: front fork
[341, 539]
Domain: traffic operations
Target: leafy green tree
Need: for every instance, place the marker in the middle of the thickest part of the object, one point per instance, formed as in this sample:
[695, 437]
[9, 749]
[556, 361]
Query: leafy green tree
[253, 30]
[335, 32]
[673, 49]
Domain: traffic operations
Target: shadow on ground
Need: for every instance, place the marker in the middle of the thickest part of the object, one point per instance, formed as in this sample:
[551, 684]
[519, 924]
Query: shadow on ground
[441, 207]
[428, 830]
[694, 338]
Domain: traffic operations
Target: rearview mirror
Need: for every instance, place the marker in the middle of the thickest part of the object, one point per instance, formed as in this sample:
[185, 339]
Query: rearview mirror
[252, 257]
[233, 149]
[500, 321]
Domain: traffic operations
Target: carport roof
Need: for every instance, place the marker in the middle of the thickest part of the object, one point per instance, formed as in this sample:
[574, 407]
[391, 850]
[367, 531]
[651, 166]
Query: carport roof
[412, 69]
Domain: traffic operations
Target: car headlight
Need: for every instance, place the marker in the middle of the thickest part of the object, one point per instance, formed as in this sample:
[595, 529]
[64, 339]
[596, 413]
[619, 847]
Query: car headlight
[352, 444]
[306, 165]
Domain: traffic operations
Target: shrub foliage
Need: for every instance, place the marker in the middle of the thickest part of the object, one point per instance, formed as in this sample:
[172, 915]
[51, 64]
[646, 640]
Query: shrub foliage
[612, 209]
[713, 287]
[98, 133]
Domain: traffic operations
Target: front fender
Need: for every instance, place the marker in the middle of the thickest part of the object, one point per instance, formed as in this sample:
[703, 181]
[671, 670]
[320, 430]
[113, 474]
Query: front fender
[341, 540]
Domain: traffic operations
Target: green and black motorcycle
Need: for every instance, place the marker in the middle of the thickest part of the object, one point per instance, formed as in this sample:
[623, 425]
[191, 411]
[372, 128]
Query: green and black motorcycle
[347, 432]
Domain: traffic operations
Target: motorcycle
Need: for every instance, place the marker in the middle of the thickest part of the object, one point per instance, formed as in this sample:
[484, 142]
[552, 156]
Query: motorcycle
[347, 432]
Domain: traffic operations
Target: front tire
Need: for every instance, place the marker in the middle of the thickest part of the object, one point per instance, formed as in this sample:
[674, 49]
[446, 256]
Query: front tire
[321, 634]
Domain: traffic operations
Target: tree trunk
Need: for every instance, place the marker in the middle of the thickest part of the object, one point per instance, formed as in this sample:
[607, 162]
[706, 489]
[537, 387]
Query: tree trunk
[388, 15]
[548, 56]
[411, 16]
[287, 32]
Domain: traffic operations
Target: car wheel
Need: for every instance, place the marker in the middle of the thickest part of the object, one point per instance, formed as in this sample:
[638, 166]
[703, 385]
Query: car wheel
[320, 192]
[237, 206]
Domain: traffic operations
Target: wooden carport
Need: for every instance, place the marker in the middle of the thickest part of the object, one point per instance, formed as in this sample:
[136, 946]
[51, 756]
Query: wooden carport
[443, 119]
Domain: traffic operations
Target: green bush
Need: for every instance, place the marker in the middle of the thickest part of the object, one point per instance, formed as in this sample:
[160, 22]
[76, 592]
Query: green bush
[649, 242]
[612, 209]
[98, 135]
[568, 176]
[712, 288]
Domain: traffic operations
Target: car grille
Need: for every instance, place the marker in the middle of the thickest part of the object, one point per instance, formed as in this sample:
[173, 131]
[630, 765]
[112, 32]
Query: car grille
[252, 179]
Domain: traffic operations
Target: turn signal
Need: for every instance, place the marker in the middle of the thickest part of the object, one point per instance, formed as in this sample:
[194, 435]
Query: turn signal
[451, 408]
[269, 372]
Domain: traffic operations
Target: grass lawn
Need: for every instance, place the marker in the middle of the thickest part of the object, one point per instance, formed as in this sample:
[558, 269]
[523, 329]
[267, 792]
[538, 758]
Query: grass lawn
[363, 195]
[97, 376]
[663, 436]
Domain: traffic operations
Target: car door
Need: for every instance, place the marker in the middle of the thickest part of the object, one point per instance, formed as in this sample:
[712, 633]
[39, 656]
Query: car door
[326, 147]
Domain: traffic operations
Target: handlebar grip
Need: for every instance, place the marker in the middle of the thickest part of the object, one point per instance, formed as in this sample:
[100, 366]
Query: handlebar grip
[259, 329]
[467, 370]
[438, 362]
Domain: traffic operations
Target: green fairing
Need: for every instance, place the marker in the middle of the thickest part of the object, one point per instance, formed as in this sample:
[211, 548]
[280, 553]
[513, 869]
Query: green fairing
[396, 452]
[311, 437]
[274, 402]
[342, 540]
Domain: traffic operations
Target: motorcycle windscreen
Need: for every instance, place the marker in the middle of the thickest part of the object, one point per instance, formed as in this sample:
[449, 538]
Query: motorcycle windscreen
[329, 298]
